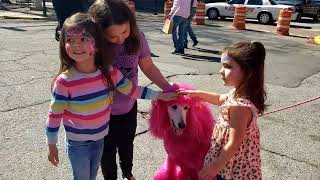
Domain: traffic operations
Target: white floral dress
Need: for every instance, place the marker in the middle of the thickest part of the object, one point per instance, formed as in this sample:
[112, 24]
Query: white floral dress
[246, 163]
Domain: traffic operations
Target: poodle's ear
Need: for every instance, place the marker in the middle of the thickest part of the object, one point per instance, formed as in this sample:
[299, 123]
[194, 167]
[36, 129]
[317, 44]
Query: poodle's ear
[158, 120]
[201, 120]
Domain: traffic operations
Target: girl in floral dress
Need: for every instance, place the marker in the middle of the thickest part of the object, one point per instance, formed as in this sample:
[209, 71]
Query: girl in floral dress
[235, 144]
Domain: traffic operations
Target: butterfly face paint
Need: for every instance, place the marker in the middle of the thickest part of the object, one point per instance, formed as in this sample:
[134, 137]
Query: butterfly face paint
[225, 59]
[79, 44]
[230, 71]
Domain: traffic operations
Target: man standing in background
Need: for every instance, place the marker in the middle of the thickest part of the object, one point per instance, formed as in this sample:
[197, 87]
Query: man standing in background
[179, 14]
[189, 30]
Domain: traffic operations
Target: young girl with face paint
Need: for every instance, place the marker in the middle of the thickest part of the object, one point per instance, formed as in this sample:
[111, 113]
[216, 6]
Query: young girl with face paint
[82, 93]
[131, 50]
[235, 145]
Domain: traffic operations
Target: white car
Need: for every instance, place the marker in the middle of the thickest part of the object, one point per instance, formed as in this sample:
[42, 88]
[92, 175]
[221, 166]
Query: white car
[265, 11]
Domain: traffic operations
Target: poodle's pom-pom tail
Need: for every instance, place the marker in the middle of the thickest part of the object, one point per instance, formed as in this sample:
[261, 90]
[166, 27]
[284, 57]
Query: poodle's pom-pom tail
[165, 173]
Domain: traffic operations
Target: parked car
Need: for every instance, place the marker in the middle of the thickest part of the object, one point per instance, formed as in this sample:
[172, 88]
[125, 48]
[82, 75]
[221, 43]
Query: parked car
[211, 1]
[265, 11]
[305, 8]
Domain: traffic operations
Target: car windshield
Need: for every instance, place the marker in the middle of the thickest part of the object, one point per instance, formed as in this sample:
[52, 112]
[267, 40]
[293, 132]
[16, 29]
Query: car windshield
[316, 1]
[236, 2]
[273, 2]
[290, 2]
[254, 2]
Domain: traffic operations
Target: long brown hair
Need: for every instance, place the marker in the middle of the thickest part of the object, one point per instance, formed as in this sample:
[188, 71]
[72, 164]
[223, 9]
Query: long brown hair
[250, 56]
[116, 12]
[102, 60]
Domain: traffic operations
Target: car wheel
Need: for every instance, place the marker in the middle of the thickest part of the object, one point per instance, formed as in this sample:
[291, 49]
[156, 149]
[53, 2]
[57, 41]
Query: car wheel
[265, 18]
[213, 13]
[317, 16]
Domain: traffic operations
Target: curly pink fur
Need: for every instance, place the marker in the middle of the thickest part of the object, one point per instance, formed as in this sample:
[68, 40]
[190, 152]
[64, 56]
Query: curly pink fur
[185, 152]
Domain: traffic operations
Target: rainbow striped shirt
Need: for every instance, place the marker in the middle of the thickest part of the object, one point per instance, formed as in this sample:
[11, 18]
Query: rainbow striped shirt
[82, 102]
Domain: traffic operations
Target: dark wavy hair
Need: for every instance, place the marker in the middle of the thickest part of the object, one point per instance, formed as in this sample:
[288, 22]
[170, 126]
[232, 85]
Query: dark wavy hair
[250, 56]
[116, 12]
[102, 61]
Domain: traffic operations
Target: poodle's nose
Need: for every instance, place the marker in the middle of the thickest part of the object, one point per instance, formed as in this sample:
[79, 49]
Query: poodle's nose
[181, 125]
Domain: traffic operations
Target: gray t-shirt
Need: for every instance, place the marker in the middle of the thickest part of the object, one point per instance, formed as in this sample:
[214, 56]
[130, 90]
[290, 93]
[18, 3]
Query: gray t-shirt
[128, 65]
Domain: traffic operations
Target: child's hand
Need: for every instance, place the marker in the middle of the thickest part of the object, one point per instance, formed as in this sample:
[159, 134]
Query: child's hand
[188, 92]
[208, 172]
[53, 154]
[167, 96]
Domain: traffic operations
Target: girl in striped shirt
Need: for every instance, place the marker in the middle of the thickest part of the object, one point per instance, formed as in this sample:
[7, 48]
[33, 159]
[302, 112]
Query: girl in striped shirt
[82, 93]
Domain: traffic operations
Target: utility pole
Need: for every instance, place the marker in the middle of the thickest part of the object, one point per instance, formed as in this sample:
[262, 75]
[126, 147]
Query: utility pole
[41, 5]
[44, 12]
[38, 4]
[155, 7]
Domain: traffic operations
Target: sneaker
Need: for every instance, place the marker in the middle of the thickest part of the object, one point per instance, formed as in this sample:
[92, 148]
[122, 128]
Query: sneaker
[181, 51]
[132, 178]
[57, 35]
[195, 43]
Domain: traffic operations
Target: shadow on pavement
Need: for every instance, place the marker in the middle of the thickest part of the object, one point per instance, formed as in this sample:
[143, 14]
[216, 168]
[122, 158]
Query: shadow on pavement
[153, 55]
[200, 58]
[207, 51]
[12, 28]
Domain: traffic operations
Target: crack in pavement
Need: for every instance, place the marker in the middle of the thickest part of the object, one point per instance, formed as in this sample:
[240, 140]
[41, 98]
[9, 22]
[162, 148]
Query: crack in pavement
[283, 155]
[23, 107]
[144, 116]
[19, 59]
[29, 51]
[27, 81]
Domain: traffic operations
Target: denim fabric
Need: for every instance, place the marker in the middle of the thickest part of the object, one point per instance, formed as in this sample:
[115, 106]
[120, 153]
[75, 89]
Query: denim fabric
[85, 158]
[178, 31]
[189, 29]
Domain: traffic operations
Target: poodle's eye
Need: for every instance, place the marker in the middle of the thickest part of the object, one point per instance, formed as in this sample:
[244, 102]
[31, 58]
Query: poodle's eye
[174, 107]
[186, 108]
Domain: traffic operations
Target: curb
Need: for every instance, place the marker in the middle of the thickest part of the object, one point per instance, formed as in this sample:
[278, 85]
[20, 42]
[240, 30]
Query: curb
[24, 17]
[267, 31]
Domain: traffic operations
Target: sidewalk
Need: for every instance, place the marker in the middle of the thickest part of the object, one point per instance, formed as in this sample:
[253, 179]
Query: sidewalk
[23, 11]
[15, 11]
[300, 30]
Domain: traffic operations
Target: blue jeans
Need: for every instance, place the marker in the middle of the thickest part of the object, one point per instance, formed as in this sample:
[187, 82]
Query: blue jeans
[179, 31]
[85, 158]
[189, 29]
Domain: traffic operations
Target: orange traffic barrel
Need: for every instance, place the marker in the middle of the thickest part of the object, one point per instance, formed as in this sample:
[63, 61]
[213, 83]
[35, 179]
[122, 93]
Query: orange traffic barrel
[200, 14]
[239, 19]
[167, 8]
[283, 23]
[132, 6]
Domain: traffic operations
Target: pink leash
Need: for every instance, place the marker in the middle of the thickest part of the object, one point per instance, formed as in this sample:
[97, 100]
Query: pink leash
[287, 107]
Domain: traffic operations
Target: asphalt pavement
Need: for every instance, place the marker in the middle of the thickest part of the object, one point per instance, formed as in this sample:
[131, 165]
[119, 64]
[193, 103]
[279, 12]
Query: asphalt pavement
[290, 140]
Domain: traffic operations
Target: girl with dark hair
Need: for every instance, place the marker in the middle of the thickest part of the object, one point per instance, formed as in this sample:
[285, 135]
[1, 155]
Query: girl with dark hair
[130, 50]
[82, 93]
[235, 144]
